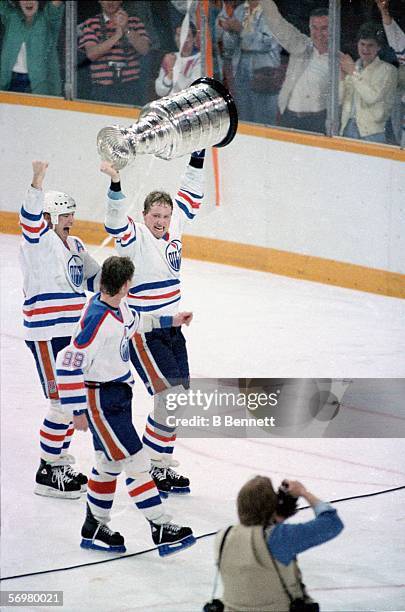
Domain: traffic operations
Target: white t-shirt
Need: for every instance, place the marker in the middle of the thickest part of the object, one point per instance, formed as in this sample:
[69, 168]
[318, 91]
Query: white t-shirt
[21, 61]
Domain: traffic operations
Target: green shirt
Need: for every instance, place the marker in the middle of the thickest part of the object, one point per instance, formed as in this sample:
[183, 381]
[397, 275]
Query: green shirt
[40, 37]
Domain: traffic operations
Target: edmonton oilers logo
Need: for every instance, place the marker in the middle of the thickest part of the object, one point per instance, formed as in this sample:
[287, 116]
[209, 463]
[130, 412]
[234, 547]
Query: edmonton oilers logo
[124, 349]
[75, 269]
[173, 254]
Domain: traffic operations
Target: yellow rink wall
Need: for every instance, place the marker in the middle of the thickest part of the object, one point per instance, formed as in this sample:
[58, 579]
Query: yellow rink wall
[266, 256]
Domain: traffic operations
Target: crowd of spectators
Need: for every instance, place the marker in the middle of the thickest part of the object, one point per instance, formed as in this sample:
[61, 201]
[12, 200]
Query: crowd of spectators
[271, 54]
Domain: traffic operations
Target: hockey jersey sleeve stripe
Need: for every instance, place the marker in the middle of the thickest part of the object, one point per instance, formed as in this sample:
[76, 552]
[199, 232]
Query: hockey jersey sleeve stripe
[126, 244]
[33, 229]
[42, 297]
[126, 236]
[35, 240]
[87, 335]
[123, 378]
[49, 322]
[36, 311]
[158, 297]
[185, 209]
[182, 194]
[115, 232]
[155, 285]
[30, 216]
[156, 307]
[195, 196]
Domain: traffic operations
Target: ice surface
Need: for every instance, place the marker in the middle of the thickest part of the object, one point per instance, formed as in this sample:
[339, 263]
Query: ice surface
[246, 324]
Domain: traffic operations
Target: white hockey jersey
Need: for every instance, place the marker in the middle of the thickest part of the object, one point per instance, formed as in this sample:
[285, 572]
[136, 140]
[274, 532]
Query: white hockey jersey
[156, 283]
[99, 350]
[54, 276]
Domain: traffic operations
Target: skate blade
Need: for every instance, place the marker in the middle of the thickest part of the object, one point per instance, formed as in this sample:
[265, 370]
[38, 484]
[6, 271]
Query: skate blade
[163, 494]
[50, 492]
[83, 488]
[175, 547]
[89, 544]
[180, 490]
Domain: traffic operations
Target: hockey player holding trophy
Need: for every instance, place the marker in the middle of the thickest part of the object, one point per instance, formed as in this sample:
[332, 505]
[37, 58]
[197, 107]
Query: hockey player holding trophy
[187, 122]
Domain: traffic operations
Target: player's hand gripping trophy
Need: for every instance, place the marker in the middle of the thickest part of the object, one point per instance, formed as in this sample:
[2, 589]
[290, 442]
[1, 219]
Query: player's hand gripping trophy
[200, 116]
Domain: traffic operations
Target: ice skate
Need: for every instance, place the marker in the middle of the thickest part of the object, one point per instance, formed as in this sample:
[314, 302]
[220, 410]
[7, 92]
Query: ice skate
[98, 536]
[53, 481]
[180, 484]
[161, 481]
[169, 480]
[171, 538]
[78, 476]
[66, 461]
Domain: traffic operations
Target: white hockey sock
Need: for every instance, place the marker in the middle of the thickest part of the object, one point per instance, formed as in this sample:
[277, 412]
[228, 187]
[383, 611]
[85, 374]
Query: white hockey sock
[53, 432]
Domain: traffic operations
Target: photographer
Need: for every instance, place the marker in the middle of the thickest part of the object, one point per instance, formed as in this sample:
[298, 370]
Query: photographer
[258, 563]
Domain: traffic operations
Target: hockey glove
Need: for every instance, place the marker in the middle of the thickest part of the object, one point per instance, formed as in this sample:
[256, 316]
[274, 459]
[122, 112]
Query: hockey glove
[197, 159]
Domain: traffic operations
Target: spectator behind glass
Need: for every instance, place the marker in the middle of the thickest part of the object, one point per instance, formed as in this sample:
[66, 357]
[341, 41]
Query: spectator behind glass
[255, 56]
[113, 42]
[396, 39]
[367, 88]
[262, 547]
[227, 30]
[303, 97]
[180, 69]
[29, 56]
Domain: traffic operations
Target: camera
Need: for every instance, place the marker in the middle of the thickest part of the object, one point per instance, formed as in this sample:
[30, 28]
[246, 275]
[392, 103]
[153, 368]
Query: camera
[286, 503]
[215, 605]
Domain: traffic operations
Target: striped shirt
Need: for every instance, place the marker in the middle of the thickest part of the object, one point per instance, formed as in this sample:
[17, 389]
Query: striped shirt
[95, 31]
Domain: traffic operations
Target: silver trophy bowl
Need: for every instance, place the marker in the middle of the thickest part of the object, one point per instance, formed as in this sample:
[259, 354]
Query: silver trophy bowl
[200, 116]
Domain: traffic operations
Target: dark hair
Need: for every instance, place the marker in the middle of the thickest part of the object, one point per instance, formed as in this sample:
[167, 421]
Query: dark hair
[116, 271]
[155, 197]
[319, 12]
[257, 502]
[371, 30]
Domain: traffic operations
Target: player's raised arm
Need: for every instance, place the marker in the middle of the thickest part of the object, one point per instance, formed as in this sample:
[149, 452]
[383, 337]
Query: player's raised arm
[32, 221]
[191, 192]
[117, 223]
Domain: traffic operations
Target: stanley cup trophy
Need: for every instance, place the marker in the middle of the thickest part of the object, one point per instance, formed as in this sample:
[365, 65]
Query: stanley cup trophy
[200, 116]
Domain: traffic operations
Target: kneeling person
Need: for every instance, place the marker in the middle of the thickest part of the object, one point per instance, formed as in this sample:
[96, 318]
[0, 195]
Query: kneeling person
[95, 384]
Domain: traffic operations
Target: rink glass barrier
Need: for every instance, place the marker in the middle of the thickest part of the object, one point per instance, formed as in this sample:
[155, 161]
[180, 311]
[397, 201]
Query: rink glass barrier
[284, 407]
[245, 56]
